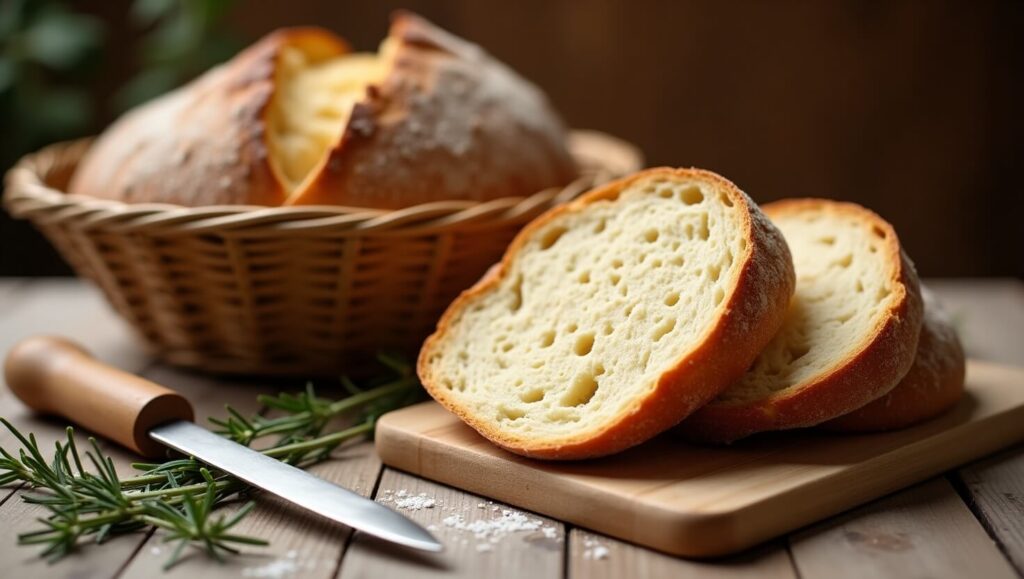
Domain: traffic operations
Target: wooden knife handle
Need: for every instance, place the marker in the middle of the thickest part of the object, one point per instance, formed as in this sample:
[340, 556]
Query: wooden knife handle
[56, 376]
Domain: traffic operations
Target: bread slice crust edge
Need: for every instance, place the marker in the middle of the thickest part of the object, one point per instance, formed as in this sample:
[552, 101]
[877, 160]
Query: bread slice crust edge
[746, 320]
[865, 374]
[933, 385]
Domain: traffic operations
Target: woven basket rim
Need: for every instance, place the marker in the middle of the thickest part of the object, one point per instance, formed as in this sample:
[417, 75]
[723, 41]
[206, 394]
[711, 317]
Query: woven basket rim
[29, 196]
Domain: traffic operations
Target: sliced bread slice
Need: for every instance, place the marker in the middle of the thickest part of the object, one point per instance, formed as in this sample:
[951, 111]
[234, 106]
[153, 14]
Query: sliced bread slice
[612, 318]
[850, 334]
[933, 385]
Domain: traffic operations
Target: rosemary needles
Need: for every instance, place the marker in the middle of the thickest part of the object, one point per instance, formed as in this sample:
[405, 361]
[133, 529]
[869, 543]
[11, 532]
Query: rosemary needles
[86, 499]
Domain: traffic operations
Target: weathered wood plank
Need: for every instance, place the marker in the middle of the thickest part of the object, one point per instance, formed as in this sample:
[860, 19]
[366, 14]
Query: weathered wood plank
[926, 531]
[9, 287]
[475, 543]
[989, 315]
[996, 486]
[594, 556]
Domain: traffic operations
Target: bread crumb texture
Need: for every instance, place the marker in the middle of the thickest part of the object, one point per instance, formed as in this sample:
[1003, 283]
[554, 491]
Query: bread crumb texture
[593, 308]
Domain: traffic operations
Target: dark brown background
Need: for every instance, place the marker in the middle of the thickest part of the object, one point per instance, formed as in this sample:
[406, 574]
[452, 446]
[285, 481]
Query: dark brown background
[910, 108]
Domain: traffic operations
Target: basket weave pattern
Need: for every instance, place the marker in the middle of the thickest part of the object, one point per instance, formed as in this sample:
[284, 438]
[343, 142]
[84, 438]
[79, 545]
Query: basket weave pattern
[281, 290]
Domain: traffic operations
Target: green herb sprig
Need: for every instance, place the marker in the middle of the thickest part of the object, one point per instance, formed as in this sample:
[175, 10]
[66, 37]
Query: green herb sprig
[180, 495]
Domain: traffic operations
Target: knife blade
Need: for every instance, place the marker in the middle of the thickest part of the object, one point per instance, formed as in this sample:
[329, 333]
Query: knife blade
[56, 376]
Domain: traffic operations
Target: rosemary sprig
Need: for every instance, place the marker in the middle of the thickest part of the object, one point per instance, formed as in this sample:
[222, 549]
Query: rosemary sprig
[179, 495]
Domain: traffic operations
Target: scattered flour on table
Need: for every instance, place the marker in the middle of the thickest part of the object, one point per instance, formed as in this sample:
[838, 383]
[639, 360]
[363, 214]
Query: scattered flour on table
[276, 569]
[491, 531]
[488, 531]
[593, 549]
[279, 568]
[403, 499]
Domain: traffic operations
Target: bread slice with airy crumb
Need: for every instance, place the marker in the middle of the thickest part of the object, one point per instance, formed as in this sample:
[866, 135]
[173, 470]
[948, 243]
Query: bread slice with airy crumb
[612, 318]
[934, 384]
[850, 334]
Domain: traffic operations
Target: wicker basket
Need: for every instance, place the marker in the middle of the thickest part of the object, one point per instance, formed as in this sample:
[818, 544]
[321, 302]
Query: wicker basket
[282, 290]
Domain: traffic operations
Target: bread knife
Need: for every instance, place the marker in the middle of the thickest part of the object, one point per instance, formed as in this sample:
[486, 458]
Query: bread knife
[56, 376]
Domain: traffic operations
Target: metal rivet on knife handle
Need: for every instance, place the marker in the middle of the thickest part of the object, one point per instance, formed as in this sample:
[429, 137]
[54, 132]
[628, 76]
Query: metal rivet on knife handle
[55, 376]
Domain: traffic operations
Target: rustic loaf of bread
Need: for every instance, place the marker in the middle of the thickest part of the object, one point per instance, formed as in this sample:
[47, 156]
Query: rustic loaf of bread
[933, 385]
[850, 334]
[612, 318]
[296, 119]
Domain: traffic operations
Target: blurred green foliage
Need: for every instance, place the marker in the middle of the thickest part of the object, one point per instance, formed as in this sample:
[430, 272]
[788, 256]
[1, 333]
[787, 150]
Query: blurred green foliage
[184, 40]
[46, 57]
[51, 56]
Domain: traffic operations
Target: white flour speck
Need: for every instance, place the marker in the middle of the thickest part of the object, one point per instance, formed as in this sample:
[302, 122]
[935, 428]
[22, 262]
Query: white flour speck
[593, 549]
[414, 502]
[276, 569]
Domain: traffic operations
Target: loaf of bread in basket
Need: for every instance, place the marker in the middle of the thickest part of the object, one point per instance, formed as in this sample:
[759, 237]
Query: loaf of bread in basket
[298, 119]
[300, 207]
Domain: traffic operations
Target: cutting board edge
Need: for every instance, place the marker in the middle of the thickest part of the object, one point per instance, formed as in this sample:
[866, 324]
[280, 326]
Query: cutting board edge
[1010, 431]
[701, 535]
[698, 535]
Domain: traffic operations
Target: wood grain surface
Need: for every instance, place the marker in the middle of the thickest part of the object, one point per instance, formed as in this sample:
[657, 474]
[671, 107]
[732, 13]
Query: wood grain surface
[972, 508]
[928, 532]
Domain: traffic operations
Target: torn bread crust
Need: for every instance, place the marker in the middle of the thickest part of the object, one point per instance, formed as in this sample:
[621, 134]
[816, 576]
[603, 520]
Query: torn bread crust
[692, 365]
[431, 118]
[851, 376]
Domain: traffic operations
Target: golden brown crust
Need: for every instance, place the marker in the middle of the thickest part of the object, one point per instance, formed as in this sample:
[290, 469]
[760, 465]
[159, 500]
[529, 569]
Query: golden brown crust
[933, 385]
[447, 122]
[870, 372]
[749, 317]
[203, 144]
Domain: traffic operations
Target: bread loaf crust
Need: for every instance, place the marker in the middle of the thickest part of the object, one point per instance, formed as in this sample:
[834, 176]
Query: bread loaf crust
[447, 122]
[933, 385]
[869, 372]
[746, 321]
[202, 144]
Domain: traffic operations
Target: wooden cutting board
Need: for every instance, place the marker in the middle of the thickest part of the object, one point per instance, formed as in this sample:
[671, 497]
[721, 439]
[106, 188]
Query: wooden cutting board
[705, 501]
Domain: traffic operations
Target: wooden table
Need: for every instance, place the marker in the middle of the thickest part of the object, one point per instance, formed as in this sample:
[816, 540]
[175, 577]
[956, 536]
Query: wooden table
[969, 522]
